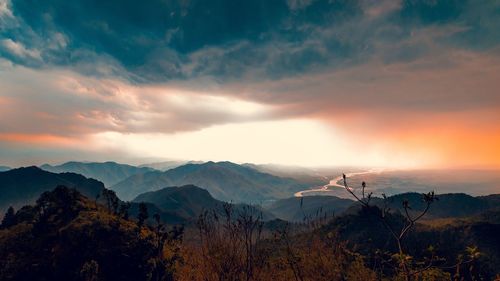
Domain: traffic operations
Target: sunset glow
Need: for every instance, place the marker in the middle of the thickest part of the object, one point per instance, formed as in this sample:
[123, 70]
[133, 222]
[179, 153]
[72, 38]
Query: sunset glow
[374, 89]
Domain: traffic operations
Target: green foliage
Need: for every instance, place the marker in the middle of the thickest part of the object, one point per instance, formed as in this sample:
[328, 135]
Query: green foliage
[64, 237]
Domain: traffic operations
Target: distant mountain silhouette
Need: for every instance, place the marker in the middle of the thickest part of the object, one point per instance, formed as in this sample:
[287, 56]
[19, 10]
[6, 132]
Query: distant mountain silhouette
[109, 173]
[309, 207]
[167, 165]
[450, 205]
[299, 174]
[4, 168]
[190, 201]
[224, 180]
[23, 186]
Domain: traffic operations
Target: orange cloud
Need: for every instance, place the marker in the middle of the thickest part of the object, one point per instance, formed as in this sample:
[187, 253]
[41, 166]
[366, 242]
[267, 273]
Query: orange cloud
[4, 101]
[448, 139]
[41, 139]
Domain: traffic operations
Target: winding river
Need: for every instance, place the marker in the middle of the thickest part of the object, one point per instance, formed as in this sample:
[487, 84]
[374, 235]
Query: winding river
[332, 184]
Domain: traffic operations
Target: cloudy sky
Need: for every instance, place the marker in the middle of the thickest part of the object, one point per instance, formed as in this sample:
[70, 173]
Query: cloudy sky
[304, 82]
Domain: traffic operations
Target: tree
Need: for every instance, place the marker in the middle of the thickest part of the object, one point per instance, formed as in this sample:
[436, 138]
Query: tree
[229, 243]
[409, 269]
[123, 212]
[9, 218]
[90, 271]
[143, 214]
[111, 200]
[163, 264]
[403, 259]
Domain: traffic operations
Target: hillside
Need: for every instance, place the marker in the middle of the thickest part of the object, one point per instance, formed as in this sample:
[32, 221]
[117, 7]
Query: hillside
[367, 234]
[108, 173]
[190, 201]
[66, 236]
[309, 207]
[22, 186]
[224, 180]
[73, 240]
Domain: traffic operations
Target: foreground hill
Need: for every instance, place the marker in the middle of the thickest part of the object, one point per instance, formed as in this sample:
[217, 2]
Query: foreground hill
[22, 186]
[190, 201]
[65, 236]
[368, 235]
[309, 207]
[224, 180]
[109, 173]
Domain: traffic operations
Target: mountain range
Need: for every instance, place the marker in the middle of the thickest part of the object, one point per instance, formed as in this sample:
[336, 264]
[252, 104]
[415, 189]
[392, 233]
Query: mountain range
[108, 173]
[178, 202]
[78, 227]
[224, 180]
[449, 205]
[175, 205]
[167, 165]
[22, 186]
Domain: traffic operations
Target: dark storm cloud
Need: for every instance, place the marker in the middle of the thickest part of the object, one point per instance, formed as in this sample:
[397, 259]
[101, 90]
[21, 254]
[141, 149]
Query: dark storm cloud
[155, 40]
[163, 40]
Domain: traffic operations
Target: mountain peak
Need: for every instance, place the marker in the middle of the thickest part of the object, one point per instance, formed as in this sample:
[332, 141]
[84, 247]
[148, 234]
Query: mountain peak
[108, 172]
[4, 168]
[224, 180]
[23, 185]
[219, 163]
[26, 169]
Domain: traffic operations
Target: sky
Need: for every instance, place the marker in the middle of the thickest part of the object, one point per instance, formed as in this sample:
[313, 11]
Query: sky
[401, 84]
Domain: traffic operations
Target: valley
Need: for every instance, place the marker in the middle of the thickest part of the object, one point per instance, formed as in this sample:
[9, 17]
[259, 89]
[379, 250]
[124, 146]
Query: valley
[214, 201]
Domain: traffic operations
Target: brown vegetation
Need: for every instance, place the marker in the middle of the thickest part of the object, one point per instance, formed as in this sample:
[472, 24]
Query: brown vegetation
[66, 236]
